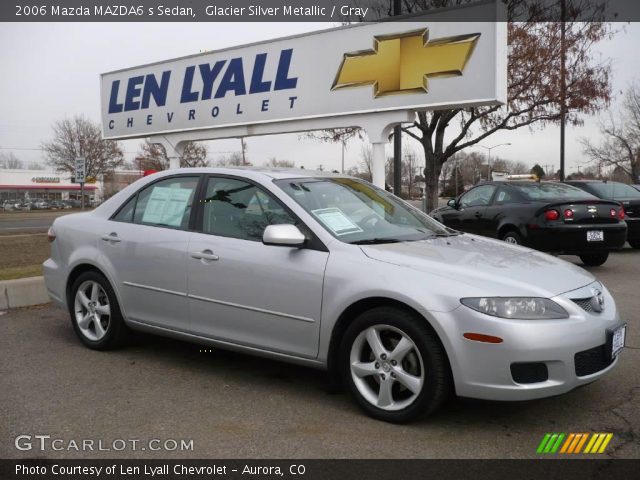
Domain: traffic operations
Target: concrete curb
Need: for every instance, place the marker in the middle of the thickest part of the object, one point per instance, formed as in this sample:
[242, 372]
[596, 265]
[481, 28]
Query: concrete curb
[23, 292]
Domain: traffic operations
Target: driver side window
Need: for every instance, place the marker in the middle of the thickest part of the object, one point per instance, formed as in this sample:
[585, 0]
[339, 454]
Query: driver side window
[478, 197]
[238, 209]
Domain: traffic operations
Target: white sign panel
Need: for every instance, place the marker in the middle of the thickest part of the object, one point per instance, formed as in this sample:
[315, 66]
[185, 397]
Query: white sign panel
[80, 170]
[370, 67]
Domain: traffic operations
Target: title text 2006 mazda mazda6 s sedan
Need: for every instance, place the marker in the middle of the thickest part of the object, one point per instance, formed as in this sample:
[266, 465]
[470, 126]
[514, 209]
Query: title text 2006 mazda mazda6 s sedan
[329, 271]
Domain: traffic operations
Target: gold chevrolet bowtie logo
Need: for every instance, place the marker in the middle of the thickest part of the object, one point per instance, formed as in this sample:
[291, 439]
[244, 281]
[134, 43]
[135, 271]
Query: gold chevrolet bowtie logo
[403, 63]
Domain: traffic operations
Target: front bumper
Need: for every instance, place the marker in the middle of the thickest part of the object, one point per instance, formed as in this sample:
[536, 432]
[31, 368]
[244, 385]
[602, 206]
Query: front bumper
[572, 238]
[484, 370]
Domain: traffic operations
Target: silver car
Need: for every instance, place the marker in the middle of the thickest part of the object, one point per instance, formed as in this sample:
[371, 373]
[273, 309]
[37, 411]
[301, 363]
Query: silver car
[331, 272]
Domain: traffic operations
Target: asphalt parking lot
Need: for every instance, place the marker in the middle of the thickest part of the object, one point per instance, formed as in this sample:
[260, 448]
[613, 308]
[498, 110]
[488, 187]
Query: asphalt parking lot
[235, 406]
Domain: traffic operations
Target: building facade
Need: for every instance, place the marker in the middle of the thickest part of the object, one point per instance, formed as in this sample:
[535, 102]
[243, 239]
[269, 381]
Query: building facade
[30, 185]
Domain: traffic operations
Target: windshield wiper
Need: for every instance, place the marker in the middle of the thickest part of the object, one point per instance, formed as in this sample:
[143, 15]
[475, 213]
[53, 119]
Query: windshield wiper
[374, 241]
[445, 234]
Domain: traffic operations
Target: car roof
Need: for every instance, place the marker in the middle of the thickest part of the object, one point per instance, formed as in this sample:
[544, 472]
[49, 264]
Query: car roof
[518, 183]
[592, 181]
[254, 172]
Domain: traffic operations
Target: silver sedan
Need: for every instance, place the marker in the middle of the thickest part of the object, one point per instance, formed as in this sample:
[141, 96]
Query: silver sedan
[331, 272]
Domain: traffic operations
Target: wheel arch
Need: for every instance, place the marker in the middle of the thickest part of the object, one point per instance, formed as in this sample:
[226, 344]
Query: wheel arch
[351, 312]
[83, 267]
[508, 226]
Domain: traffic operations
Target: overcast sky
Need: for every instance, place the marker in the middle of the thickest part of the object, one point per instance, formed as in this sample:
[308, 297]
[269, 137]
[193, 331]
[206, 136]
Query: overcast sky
[51, 71]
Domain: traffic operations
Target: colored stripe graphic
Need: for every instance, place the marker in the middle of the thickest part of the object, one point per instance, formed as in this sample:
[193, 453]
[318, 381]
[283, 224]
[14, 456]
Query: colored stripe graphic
[543, 443]
[598, 442]
[550, 443]
[574, 442]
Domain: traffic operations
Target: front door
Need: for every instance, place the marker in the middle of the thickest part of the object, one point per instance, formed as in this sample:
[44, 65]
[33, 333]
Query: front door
[472, 208]
[243, 291]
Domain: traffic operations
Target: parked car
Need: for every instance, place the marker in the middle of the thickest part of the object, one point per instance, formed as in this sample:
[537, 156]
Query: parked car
[547, 216]
[626, 195]
[55, 205]
[331, 272]
[40, 205]
[71, 203]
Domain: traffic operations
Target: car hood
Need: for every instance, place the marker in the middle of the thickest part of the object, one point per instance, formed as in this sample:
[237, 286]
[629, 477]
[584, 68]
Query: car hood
[485, 266]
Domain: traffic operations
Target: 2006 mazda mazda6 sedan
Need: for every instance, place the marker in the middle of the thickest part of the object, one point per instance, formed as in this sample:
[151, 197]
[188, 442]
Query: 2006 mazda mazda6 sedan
[332, 272]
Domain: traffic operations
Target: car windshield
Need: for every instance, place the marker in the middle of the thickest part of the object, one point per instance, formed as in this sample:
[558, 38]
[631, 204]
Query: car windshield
[614, 190]
[552, 191]
[357, 212]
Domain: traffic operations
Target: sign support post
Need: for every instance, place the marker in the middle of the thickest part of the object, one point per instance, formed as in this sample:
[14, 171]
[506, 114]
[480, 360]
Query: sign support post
[80, 177]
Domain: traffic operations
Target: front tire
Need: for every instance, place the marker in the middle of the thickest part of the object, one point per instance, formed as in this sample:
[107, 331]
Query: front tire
[394, 365]
[594, 259]
[95, 312]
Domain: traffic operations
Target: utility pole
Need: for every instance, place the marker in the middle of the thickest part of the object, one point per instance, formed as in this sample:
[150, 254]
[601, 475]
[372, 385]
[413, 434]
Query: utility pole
[397, 133]
[489, 157]
[563, 81]
[343, 147]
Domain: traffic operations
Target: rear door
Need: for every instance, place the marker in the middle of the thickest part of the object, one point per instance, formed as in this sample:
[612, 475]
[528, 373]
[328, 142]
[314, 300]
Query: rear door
[145, 245]
[243, 291]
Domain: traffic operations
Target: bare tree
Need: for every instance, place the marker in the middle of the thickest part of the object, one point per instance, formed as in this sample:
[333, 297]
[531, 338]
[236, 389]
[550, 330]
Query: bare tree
[273, 162]
[153, 156]
[621, 146]
[80, 137]
[10, 161]
[194, 155]
[232, 160]
[366, 161]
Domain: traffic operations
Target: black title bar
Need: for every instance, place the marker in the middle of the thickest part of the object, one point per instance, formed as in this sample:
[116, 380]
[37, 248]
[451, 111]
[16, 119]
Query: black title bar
[340, 11]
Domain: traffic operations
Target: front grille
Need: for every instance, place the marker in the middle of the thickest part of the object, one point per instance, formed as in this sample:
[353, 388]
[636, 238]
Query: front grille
[584, 303]
[591, 361]
[530, 372]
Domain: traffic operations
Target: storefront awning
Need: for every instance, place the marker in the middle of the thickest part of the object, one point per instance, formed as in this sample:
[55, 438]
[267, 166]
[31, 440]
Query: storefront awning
[66, 188]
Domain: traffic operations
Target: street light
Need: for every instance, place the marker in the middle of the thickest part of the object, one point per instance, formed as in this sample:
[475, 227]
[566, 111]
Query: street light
[489, 157]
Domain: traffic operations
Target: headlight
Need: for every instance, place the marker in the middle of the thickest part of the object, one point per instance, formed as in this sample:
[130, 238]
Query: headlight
[521, 308]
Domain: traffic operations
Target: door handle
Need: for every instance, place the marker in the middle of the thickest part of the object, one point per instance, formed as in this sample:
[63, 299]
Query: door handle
[112, 237]
[477, 214]
[205, 255]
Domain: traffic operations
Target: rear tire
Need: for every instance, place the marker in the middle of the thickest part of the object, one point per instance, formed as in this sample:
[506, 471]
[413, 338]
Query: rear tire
[634, 243]
[405, 375]
[512, 237]
[95, 312]
[594, 259]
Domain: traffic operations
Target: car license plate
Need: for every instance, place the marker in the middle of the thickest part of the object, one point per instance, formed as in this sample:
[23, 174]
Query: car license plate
[595, 236]
[617, 340]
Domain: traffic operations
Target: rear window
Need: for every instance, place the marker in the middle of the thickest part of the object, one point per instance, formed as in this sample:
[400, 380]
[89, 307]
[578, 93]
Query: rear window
[552, 191]
[614, 190]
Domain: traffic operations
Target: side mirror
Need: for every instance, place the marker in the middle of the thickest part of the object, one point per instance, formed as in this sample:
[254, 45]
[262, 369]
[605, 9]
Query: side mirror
[283, 235]
[452, 203]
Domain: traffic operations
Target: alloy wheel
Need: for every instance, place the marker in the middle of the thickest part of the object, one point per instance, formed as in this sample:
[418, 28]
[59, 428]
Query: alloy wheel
[92, 310]
[386, 367]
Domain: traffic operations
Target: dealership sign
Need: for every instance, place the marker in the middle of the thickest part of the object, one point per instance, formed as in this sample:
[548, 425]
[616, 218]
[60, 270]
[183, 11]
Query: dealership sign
[45, 179]
[372, 67]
